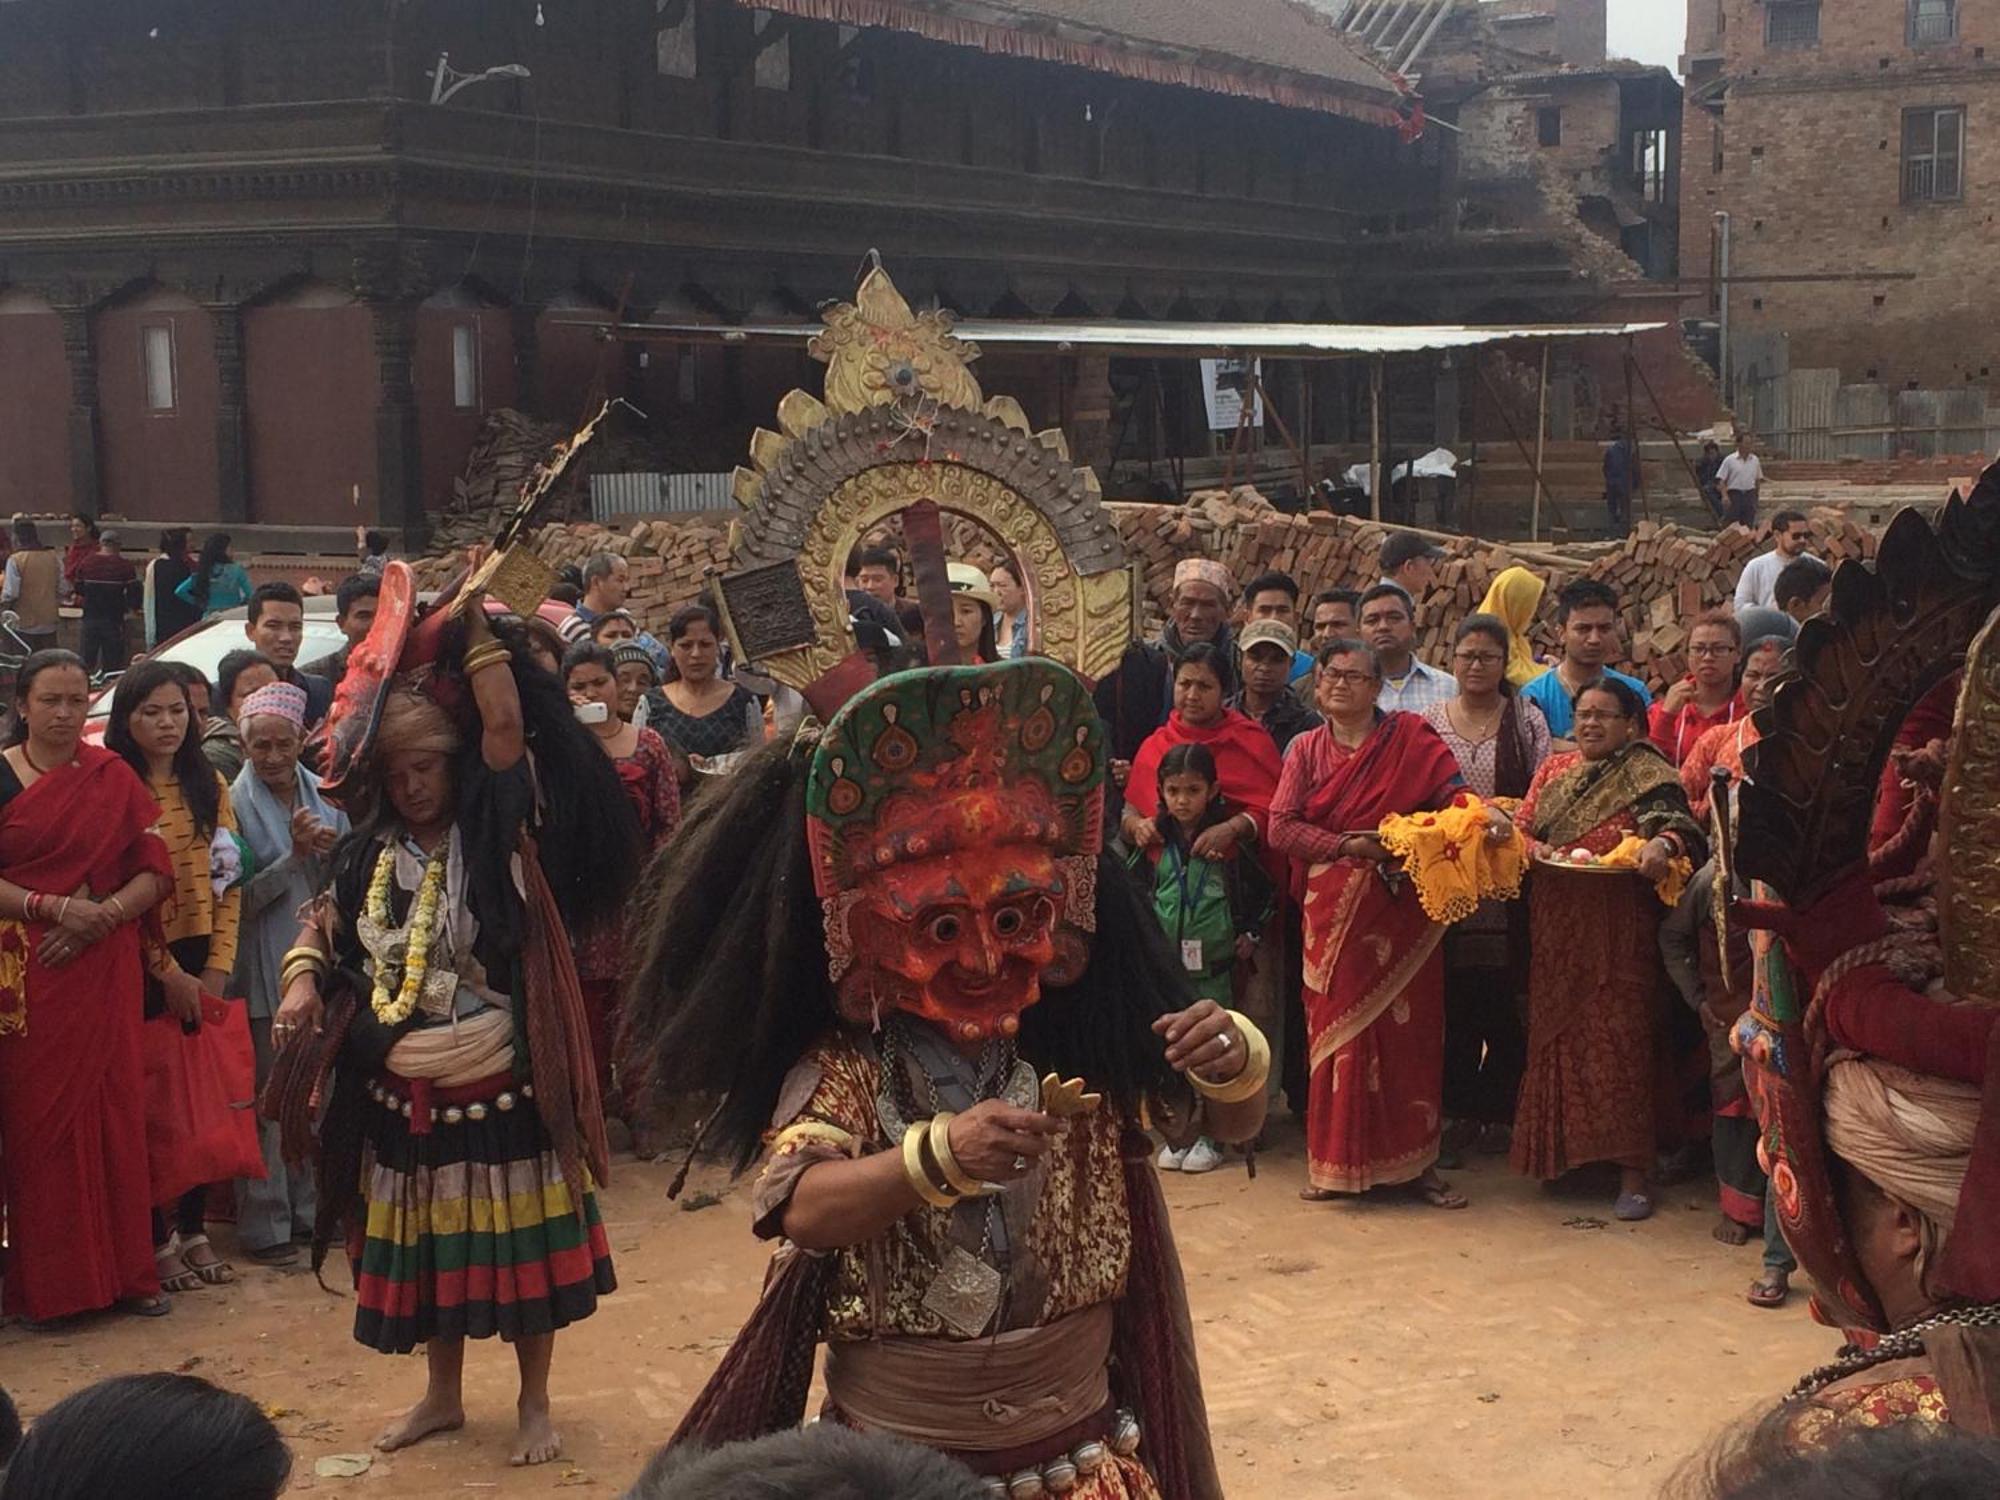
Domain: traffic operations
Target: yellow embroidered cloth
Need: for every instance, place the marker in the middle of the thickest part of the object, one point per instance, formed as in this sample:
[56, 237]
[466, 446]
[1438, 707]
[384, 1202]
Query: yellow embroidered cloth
[1669, 886]
[13, 978]
[1452, 862]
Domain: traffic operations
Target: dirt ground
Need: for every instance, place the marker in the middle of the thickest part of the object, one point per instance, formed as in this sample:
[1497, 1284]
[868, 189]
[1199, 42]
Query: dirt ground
[1526, 1347]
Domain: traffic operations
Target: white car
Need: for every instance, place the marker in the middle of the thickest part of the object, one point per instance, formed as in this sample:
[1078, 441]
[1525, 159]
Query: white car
[203, 645]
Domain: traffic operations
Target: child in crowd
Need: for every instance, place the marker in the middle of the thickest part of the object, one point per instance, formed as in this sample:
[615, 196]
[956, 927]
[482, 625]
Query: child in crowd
[1211, 909]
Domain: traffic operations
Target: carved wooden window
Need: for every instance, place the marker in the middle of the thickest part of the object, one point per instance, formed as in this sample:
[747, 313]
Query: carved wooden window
[156, 352]
[465, 366]
[1791, 25]
[1933, 155]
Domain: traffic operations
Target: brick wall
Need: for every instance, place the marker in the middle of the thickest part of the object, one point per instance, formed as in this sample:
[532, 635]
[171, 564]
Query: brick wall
[1812, 173]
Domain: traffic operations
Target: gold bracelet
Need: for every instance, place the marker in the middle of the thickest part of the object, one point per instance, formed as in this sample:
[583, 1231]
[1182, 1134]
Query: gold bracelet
[954, 1174]
[485, 654]
[1256, 1067]
[304, 955]
[913, 1168]
[118, 906]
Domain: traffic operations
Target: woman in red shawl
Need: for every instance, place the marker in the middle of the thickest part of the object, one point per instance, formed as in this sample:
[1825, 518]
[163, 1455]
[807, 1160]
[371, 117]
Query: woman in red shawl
[1246, 758]
[79, 866]
[1374, 970]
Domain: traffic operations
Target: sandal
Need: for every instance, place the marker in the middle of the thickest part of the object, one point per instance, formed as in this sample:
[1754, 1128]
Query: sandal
[284, 1253]
[1318, 1195]
[174, 1273]
[1440, 1194]
[1632, 1208]
[214, 1271]
[146, 1307]
[1771, 1291]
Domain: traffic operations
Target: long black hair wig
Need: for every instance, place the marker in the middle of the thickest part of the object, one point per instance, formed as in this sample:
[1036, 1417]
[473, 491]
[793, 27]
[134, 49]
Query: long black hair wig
[588, 837]
[728, 986]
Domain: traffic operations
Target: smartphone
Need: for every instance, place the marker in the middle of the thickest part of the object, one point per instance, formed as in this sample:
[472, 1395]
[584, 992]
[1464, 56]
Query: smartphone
[592, 713]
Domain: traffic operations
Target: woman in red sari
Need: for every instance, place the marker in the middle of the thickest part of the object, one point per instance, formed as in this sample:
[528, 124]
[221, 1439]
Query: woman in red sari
[1594, 962]
[79, 866]
[1374, 971]
[1246, 757]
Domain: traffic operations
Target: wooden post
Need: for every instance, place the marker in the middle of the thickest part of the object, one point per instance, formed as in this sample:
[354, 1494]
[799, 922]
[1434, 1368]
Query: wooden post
[1668, 428]
[1375, 438]
[1541, 445]
[1305, 432]
[1514, 435]
[1632, 433]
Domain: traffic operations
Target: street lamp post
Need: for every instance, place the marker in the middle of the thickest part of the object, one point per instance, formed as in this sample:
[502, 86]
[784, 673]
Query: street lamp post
[447, 80]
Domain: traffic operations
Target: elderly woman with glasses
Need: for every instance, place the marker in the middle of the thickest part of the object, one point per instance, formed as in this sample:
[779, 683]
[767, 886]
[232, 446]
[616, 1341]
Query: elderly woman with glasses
[1374, 975]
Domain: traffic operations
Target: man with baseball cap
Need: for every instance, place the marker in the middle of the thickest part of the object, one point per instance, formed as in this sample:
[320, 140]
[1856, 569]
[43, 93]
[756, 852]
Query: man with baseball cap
[1264, 664]
[1410, 562]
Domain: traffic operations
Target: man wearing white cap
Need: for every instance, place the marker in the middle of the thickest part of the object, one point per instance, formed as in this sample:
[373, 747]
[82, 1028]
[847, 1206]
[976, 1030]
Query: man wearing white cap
[291, 830]
[1135, 699]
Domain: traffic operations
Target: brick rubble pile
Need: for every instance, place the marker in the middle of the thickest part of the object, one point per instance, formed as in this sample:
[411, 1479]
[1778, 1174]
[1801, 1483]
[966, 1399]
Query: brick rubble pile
[1664, 575]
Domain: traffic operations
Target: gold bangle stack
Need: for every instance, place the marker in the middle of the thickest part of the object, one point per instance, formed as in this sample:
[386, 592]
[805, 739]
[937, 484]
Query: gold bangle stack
[485, 654]
[1256, 1067]
[303, 959]
[954, 1175]
[930, 1186]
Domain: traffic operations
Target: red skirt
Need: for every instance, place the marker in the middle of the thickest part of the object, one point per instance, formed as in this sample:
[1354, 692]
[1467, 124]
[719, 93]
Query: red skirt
[1374, 974]
[73, 1137]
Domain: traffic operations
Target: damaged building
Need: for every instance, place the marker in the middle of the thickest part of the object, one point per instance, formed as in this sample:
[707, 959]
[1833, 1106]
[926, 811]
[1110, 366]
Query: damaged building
[276, 264]
[1837, 193]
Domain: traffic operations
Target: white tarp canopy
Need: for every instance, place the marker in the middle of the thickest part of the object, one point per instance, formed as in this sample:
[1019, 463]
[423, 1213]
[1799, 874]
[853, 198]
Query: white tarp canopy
[1187, 340]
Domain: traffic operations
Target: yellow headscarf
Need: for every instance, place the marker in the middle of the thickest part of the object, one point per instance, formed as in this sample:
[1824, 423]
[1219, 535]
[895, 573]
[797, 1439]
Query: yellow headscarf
[1515, 596]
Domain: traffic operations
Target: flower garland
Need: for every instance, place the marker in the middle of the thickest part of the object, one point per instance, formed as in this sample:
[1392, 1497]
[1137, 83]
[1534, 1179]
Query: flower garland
[393, 1011]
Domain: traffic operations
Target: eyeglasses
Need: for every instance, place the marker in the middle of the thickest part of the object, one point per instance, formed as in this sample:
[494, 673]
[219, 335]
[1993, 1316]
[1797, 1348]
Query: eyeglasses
[1478, 658]
[1346, 679]
[1599, 716]
[1713, 648]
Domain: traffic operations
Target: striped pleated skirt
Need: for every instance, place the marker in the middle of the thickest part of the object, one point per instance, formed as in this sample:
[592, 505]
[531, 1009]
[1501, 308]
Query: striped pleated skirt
[471, 1230]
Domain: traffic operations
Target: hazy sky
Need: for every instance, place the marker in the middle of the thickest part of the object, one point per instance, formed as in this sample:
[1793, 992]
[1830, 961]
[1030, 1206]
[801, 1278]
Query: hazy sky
[1650, 30]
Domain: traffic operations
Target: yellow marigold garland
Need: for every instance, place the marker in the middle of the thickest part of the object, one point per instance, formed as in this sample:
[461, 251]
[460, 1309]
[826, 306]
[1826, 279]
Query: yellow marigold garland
[1452, 862]
[393, 1011]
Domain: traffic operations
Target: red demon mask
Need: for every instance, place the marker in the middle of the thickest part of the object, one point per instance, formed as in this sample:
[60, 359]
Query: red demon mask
[956, 816]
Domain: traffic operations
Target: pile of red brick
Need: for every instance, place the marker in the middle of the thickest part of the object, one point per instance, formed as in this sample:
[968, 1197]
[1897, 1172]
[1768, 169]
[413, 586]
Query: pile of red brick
[1664, 575]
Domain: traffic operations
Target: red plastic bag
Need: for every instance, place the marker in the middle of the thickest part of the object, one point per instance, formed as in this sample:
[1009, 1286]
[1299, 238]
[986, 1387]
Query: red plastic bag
[201, 1097]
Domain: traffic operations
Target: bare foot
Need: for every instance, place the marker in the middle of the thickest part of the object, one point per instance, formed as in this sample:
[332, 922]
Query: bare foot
[1729, 1232]
[538, 1439]
[419, 1422]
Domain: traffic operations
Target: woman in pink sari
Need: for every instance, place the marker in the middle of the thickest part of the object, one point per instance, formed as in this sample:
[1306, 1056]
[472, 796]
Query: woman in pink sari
[1374, 971]
[79, 867]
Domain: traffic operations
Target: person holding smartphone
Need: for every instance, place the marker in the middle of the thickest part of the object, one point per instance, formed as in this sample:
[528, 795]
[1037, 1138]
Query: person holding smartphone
[646, 769]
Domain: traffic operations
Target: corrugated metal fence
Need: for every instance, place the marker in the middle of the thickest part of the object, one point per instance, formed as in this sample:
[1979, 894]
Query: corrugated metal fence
[1810, 415]
[656, 494]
